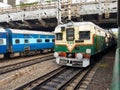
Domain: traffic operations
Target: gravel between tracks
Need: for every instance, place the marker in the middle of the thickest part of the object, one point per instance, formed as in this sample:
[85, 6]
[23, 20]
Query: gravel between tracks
[25, 75]
[21, 59]
[101, 80]
[103, 77]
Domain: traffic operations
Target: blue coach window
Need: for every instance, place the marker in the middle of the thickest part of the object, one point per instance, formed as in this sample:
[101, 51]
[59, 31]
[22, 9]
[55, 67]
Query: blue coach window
[25, 41]
[39, 40]
[53, 40]
[47, 40]
[17, 41]
[1, 41]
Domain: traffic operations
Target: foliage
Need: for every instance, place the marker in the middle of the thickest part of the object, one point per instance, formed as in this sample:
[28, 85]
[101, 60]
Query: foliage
[27, 4]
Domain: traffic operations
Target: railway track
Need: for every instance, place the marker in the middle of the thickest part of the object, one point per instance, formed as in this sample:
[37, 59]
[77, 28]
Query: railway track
[2, 59]
[77, 82]
[13, 67]
[81, 82]
[63, 78]
[53, 80]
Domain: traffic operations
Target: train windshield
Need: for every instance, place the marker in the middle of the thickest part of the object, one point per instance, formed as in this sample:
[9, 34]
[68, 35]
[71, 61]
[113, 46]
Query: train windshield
[58, 36]
[84, 35]
[70, 34]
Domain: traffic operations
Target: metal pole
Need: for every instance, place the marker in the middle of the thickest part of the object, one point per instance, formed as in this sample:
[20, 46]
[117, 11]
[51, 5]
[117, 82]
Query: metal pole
[100, 13]
[116, 70]
[107, 15]
[69, 9]
[118, 16]
[59, 12]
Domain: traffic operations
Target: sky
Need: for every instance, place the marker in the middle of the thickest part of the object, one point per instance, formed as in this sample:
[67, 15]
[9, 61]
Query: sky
[30, 1]
[74, 1]
[63, 0]
[4, 5]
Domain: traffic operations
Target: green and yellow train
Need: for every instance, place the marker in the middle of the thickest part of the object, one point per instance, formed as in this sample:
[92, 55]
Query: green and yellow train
[76, 42]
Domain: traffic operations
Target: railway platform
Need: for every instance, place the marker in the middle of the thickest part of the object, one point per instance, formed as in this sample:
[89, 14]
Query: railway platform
[102, 79]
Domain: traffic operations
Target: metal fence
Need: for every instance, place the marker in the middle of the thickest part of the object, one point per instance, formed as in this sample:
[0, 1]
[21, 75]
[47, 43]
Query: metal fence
[116, 72]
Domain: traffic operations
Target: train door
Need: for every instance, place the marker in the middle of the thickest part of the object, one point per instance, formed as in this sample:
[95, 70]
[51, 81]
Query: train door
[96, 40]
[8, 43]
[26, 42]
[9, 40]
[97, 45]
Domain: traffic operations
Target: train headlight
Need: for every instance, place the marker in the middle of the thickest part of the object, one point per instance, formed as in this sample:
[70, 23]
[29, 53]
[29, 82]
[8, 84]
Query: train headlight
[55, 54]
[79, 56]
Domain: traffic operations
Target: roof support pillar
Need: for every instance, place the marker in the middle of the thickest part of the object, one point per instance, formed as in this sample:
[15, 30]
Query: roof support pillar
[118, 23]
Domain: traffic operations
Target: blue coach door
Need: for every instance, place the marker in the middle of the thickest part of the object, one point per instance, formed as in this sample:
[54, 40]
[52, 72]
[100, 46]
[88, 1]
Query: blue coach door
[9, 40]
[26, 42]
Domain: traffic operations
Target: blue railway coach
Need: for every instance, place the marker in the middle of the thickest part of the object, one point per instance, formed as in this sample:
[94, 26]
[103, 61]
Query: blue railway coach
[26, 42]
[3, 46]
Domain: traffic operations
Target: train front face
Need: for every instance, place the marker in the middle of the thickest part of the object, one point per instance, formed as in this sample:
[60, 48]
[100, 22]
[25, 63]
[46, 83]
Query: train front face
[73, 45]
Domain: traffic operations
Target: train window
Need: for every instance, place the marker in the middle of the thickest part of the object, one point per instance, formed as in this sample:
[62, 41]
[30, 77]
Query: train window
[70, 34]
[53, 40]
[17, 41]
[47, 40]
[25, 41]
[1, 41]
[84, 34]
[58, 36]
[39, 40]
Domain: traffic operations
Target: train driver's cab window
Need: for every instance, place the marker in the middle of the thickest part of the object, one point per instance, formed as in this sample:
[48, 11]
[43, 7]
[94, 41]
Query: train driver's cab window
[17, 41]
[70, 34]
[25, 41]
[84, 35]
[58, 36]
[1, 41]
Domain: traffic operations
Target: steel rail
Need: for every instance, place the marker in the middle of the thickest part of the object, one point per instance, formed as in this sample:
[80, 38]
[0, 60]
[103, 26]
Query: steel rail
[35, 82]
[57, 81]
[13, 67]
